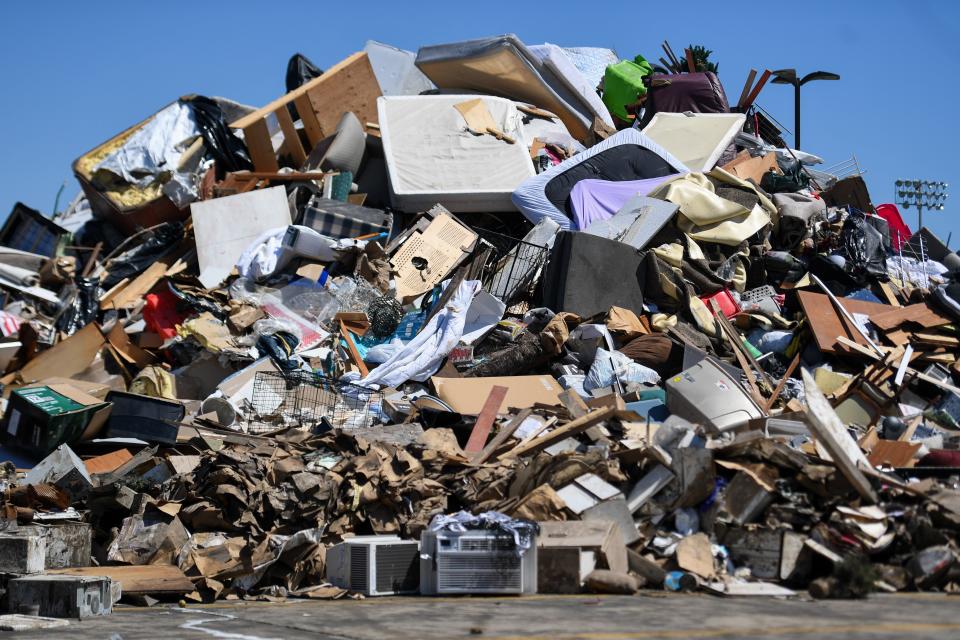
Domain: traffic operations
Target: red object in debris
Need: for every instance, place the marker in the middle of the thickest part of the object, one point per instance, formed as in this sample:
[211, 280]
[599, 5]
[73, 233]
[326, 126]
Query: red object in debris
[940, 458]
[161, 313]
[725, 299]
[899, 231]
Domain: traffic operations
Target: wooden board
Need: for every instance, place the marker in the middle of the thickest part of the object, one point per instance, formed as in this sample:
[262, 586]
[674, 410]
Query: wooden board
[505, 432]
[570, 429]
[349, 85]
[826, 323]
[920, 314]
[139, 579]
[826, 425]
[107, 462]
[481, 428]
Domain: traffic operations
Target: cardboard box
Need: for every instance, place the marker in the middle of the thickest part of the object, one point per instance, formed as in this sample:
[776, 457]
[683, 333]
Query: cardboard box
[467, 395]
[568, 551]
[41, 418]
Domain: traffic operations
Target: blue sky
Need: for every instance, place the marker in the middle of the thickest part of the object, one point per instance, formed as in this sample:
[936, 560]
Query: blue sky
[75, 74]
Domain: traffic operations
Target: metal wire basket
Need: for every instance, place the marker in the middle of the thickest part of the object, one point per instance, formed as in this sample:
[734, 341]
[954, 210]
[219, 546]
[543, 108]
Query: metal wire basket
[308, 401]
[512, 268]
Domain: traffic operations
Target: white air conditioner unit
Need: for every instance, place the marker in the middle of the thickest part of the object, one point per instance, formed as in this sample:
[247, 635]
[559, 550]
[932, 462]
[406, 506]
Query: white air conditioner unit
[475, 561]
[374, 565]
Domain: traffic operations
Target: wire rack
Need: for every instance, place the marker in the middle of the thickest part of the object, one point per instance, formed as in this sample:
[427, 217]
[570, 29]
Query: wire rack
[512, 268]
[308, 401]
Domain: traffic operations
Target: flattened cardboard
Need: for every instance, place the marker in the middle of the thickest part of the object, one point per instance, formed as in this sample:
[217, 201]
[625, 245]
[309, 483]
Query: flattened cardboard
[66, 358]
[467, 395]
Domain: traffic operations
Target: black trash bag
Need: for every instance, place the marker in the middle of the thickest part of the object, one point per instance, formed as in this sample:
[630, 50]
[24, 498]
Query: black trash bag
[790, 182]
[197, 303]
[279, 347]
[83, 308]
[158, 242]
[863, 246]
[227, 149]
[300, 71]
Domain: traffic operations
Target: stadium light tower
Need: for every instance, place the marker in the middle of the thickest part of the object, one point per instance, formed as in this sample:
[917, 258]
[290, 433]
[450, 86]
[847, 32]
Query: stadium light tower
[921, 194]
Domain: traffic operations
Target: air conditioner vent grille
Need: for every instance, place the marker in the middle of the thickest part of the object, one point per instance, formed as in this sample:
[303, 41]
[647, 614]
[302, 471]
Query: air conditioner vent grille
[397, 568]
[358, 567]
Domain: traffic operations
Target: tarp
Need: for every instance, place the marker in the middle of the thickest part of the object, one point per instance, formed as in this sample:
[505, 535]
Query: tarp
[696, 139]
[627, 155]
[432, 157]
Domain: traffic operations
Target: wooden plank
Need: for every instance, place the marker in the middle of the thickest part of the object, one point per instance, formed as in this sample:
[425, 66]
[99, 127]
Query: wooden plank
[309, 120]
[107, 462]
[828, 428]
[782, 383]
[888, 293]
[287, 98]
[348, 86]
[290, 136]
[737, 341]
[481, 428]
[756, 90]
[256, 135]
[935, 340]
[352, 347]
[922, 376]
[826, 323]
[746, 87]
[691, 65]
[137, 579]
[574, 403]
[570, 429]
[505, 432]
[920, 314]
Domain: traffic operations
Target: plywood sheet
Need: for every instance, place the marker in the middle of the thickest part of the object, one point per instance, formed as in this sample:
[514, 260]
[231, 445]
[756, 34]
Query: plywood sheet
[826, 323]
[140, 579]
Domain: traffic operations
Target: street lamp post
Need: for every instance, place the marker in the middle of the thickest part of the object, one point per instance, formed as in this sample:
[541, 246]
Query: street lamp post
[789, 76]
[922, 194]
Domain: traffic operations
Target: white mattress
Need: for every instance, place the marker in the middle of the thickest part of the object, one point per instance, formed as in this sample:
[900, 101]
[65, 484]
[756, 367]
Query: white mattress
[696, 139]
[432, 158]
[558, 61]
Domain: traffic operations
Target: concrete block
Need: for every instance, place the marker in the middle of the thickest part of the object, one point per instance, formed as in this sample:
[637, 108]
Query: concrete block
[22, 553]
[62, 596]
[68, 544]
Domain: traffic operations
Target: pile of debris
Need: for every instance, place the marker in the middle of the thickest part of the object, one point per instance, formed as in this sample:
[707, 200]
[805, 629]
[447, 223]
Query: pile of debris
[506, 318]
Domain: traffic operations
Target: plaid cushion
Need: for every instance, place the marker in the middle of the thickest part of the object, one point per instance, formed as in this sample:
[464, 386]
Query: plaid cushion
[337, 219]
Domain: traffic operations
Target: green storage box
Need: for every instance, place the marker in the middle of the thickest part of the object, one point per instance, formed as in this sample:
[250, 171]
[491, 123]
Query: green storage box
[623, 85]
[41, 418]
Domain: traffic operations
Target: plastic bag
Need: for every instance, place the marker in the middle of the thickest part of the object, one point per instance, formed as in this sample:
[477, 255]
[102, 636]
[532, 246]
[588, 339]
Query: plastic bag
[300, 71]
[863, 246]
[83, 308]
[610, 367]
[155, 244]
[228, 150]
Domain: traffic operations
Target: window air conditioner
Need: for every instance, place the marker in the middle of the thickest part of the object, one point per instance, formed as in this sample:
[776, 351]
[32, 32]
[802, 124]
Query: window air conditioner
[475, 561]
[374, 565]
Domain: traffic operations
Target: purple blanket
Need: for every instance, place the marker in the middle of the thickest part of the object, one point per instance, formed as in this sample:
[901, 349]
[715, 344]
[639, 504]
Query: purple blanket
[594, 200]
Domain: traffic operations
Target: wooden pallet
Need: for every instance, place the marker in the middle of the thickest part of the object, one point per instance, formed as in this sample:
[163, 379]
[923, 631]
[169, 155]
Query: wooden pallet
[349, 85]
